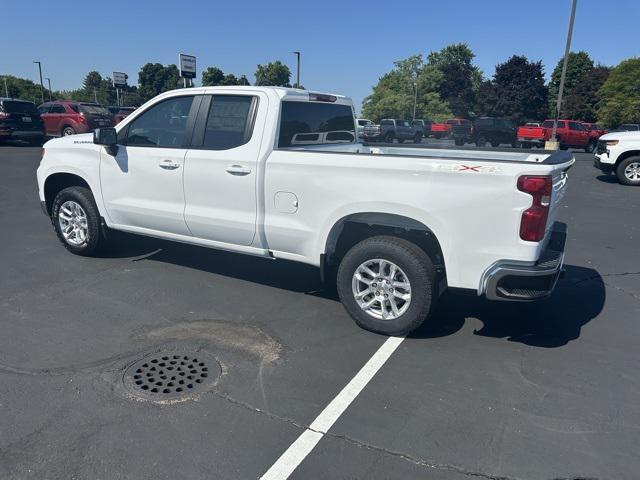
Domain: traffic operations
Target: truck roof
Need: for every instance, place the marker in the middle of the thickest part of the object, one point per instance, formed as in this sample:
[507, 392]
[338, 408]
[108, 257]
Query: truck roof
[285, 93]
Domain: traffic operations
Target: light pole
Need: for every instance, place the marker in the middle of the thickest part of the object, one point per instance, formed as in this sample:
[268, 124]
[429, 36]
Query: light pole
[415, 98]
[49, 82]
[563, 75]
[297, 54]
[6, 89]
[41, 84]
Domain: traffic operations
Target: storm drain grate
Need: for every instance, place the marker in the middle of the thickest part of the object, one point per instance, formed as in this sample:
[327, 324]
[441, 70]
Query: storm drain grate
[171, 375]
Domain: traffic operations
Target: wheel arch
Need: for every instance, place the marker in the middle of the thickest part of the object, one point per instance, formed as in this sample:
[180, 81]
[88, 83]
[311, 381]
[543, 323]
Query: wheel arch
[57, 182]
[355, 227]
[625, 155]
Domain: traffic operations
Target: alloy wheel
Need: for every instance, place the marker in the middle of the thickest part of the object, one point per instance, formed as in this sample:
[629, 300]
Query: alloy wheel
[381, 289]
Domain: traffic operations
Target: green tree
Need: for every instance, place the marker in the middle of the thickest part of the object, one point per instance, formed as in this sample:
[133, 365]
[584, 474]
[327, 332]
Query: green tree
[154, 78]
[92, 80]
[577, 65]
[520, 91]
[460, 78]
[273, 73]
[620, 95]
[212, 76]
[582, 102]
[395, 93]
[23, 89]
[243, 80]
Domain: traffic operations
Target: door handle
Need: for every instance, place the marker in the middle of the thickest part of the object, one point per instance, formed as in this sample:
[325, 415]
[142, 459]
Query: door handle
[238, 170]
[169, 165]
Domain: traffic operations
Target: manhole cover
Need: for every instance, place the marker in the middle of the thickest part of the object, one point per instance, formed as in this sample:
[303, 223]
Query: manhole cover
[167, 376]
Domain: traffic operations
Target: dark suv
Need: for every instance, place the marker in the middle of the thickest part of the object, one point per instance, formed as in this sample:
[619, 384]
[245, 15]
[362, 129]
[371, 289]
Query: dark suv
[20, 120]
[486, 129]
[390, 129]
[66, 117]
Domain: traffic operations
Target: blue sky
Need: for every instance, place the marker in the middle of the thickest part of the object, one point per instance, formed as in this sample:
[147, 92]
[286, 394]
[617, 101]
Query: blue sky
[346, 45]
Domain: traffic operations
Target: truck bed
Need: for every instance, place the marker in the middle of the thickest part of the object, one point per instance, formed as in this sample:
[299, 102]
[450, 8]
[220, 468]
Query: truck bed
[545, 157]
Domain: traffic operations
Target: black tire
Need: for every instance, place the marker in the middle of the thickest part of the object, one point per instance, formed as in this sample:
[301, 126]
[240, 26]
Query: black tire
[413, 261]
[388, 138]
[515, 144]
[400, 140]
[437, 136]
[481, 142]
[67, 130]
[590, 148]
[495, 144]
[417, 138]
[459, 142]
[94, 240]
[622, 166]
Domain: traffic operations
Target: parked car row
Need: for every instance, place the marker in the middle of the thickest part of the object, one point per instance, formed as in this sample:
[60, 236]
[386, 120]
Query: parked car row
[21, 120]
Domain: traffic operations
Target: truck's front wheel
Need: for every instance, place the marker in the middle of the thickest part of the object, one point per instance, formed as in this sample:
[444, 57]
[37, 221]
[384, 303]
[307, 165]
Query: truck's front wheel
[387, 285]
[76, 220]
[628, 171]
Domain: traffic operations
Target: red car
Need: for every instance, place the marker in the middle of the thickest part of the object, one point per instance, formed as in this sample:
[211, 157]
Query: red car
[442, 130]
[596, 131]
[120, 113]
[570, 134]
[68, 117]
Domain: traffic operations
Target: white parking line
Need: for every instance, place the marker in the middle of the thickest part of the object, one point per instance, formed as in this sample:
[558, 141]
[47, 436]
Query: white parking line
[306, 442]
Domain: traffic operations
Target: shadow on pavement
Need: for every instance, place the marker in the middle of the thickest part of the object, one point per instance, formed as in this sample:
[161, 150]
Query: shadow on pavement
[548, 323]
[579, 297]
[607, 178]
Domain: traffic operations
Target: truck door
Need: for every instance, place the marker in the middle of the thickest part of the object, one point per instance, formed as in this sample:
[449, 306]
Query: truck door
[580, 135]
[142, 186]
[221, 168]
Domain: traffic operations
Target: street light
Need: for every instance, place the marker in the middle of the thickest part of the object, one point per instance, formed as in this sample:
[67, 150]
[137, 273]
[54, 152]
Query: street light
[49, 81]
[41, 84]
[297, 54]
[567, 49]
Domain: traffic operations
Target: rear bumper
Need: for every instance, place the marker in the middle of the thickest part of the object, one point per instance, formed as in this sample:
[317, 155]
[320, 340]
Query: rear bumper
[21, 134]
[532, 141]
[507, 280]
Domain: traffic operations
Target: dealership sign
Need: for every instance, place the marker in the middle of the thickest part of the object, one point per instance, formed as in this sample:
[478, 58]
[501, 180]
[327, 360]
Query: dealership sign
[119, 79]
[187, 66]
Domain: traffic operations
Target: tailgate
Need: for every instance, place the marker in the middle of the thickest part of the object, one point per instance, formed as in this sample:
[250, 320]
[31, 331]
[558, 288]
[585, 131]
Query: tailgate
[531, 132]
[561, 161]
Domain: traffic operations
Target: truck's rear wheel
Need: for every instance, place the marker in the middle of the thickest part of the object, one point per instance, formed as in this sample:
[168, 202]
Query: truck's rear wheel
[591, 146]
[387, 285]
[459, 142]
[628, 171]
[76, 221]
[388, 138]
[417, 138]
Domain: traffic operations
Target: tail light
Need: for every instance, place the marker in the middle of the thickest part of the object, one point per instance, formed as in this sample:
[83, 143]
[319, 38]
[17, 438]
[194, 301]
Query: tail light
[82, 118]
[4, 115]
[533, 223]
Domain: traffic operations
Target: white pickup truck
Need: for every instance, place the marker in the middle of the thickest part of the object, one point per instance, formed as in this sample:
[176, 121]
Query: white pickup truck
[619, 153]
[393, 226]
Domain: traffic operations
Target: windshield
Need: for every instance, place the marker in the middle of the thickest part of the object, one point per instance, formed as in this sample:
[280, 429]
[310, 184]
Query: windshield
[11, 106]
[303, 123]
[92, 109]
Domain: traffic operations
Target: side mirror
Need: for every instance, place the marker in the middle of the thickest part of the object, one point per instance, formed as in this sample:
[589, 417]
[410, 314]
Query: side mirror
[107, 137]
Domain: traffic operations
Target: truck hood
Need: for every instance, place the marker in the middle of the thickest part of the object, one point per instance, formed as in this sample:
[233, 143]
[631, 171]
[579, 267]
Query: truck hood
[621, 136]
[72, 141]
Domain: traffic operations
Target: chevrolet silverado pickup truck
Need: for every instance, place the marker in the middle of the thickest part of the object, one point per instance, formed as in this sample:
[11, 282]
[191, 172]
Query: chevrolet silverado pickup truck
[619, 153]
[393, 226]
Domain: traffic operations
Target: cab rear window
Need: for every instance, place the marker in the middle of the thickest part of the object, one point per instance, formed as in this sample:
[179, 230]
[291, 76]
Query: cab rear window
[11, 106]
[310, 123]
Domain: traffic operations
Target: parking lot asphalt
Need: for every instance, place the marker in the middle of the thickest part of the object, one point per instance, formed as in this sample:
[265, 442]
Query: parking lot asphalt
[484, 390]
